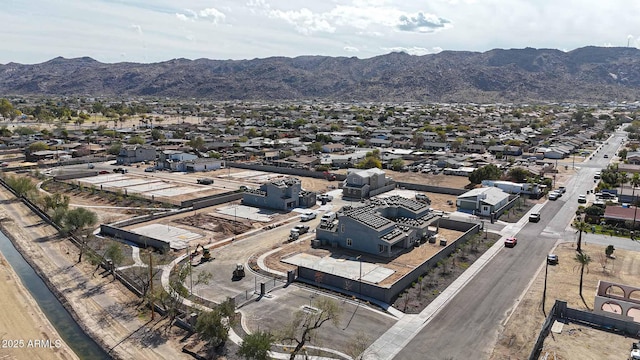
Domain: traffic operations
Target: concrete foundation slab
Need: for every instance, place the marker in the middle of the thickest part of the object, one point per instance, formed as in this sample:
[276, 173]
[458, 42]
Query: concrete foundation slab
[149, 187]
[177, 238]
[347, 268]
[175, 191]
[247, 212]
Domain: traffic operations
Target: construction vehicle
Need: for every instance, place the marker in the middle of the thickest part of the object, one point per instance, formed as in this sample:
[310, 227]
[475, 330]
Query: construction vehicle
[238, 271]
[198, 258]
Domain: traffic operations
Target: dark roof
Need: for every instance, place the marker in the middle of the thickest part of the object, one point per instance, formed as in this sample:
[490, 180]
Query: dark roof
[620, 213]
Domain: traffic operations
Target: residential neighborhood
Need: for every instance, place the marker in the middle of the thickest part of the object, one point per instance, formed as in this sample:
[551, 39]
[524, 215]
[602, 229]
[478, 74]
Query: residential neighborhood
[400, 203]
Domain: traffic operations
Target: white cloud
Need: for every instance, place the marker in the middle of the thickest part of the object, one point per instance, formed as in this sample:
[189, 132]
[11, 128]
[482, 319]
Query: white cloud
[351, 49]
[137, 28]
[413, 50]
[183, 17]
[304, 20]
[422, 23]
[215, 15]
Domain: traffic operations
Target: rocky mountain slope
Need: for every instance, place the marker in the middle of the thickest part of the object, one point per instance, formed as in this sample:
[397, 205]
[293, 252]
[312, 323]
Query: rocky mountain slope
[589, 74]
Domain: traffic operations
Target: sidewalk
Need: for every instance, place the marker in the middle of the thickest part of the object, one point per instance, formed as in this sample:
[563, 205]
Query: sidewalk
[401, 333]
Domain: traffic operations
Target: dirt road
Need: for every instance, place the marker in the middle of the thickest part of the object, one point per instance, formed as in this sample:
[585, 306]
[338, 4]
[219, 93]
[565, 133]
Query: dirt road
[22, 323]
[105, 308]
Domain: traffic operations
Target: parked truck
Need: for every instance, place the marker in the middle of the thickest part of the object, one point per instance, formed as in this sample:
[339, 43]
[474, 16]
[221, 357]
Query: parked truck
[298, 230]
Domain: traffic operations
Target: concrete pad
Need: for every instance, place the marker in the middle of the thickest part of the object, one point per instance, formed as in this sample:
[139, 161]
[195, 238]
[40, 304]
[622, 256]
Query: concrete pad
[246, 174]
[176, 237]
[125, 182]
[247, 212]
[175, 191]
[409, 194]
[103, 178]
[151, 186]
[348, 268]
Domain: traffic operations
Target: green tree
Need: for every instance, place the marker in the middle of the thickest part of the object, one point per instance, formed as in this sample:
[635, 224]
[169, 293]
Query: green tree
[135, 140]
[583, 261]
[78, 219]
[6, 108]
[582, 227]
[37, 146]
[157, 134]
[397, 164]
[213, 327]
[197, 143]
[23, 186]
[518, 174]
[115, 255]
[114, 149]
[304, 325]
[487, 172]
[256, 346]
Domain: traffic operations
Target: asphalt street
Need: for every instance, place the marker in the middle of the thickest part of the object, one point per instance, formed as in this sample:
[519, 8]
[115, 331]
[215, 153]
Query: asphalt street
[467, 327]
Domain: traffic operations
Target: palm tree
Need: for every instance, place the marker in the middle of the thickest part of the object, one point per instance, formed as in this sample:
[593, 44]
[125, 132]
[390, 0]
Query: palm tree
[583, 260]
[581, 226]
[623, 177]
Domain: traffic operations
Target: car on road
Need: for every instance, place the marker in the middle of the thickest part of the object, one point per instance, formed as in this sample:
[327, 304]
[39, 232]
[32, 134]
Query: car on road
[325, 197]
[102, 172]
[552, 259]
[300, 229]
[554, 195]
[510, 242]
[562, 190]
[205, 181]
[535, 217]
[597, 175]
[90, 166]
[606, 156]
[150, 169]
[582, 199]
[308, 216]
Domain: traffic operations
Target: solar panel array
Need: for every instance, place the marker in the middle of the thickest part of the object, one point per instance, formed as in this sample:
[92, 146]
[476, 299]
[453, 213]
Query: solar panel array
[366, 215]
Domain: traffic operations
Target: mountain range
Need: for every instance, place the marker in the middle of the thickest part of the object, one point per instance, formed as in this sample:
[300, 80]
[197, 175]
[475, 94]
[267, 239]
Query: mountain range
[588, 74]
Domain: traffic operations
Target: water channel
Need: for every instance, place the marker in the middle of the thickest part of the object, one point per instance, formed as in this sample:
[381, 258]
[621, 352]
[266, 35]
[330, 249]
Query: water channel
[81, 344]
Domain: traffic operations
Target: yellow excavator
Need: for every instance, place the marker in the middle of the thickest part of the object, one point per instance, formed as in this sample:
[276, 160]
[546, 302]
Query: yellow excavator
[197, 259]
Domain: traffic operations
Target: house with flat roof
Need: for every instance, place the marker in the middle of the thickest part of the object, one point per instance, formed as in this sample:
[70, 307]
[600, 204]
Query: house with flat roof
[382, 227]
[482, 201]
[284, 194]
[363, 183]
[130, 154]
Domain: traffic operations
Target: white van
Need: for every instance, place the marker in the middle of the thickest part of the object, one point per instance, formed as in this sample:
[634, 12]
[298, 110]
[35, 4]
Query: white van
[328, 217]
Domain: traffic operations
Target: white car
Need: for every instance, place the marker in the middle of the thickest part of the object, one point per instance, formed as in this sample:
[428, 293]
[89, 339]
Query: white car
[582, 199]
[308, 216]
[554, 195]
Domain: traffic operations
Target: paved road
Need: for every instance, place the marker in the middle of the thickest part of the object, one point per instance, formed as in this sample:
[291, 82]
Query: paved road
[467, 327]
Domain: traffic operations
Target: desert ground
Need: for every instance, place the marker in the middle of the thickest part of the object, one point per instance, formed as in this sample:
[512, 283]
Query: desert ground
[574, 342]
[22, 320]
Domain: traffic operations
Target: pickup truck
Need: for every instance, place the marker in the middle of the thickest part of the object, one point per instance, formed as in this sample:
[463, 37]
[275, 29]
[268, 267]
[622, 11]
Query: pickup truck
[300, 229]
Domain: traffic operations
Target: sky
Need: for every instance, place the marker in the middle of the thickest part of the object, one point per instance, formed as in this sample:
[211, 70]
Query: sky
[147, 31]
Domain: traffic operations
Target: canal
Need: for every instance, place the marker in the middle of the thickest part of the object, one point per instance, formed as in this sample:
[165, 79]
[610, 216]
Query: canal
[67, 327]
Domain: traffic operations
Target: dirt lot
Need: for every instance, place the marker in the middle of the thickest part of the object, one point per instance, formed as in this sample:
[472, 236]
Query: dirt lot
[22, 320]
[575, 342]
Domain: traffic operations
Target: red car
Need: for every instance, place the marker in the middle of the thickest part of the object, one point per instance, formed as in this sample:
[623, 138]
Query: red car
[510, 242]
[104, 172]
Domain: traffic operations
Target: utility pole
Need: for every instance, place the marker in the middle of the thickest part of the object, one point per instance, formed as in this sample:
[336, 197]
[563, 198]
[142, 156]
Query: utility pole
[153, 313]
[544, 291]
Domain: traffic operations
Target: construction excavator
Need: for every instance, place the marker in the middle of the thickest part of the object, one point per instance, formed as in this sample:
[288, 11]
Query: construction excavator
[198, 257]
